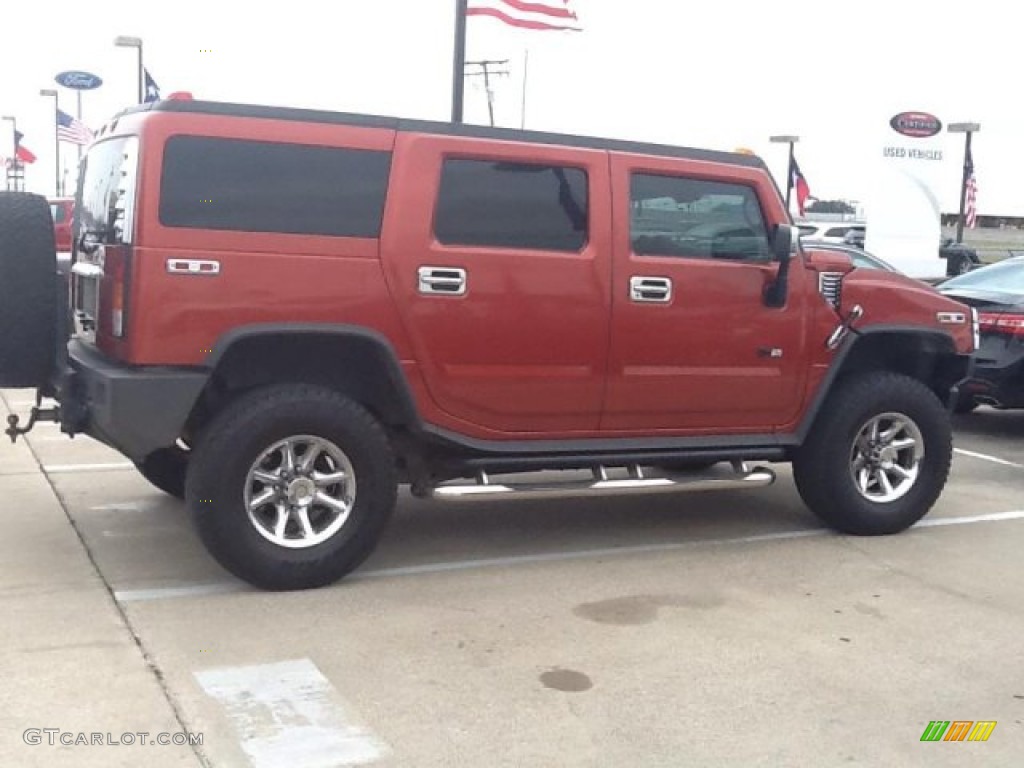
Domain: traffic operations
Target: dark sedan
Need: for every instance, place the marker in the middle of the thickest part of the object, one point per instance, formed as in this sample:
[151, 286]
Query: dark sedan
[996, 292]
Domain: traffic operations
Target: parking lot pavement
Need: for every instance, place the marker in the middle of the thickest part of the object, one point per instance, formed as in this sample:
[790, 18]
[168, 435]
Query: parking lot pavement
[722, 629]
[69, 659]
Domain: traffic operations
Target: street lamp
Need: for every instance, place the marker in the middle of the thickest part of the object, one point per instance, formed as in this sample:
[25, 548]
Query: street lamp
[969, 129]
[14, 156]
[56, 138]
[790, 140]
[134, 42]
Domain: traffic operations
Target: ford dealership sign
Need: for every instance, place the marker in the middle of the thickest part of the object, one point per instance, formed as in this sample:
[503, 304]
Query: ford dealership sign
[79, 81]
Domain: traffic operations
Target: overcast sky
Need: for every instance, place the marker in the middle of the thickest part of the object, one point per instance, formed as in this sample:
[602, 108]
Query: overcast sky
[724, 75]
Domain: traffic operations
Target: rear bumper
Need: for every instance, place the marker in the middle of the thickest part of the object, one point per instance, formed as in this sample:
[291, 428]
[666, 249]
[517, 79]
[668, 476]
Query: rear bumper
[134, 410]
[1001, 385]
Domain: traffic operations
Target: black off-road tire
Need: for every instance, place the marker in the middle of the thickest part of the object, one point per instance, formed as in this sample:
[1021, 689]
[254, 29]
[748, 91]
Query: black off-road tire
[228, 447]
[166, 470]
[28, 291]
[822, 467]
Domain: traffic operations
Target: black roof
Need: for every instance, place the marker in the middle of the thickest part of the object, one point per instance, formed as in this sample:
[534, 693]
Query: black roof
[450, 129]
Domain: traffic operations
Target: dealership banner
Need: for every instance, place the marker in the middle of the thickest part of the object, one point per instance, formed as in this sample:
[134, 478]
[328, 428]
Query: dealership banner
[902, 210]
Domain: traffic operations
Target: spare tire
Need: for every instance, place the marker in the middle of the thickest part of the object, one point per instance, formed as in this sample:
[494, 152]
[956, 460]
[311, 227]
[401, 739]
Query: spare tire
[28, 290]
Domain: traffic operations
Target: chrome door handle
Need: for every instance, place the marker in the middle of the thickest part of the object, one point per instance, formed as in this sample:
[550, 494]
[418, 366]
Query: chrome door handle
[650, 290]
[448, 281]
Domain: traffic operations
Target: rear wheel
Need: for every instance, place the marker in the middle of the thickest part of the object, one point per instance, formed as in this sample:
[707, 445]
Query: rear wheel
[291, 486]
[28, 291]
[878, 456]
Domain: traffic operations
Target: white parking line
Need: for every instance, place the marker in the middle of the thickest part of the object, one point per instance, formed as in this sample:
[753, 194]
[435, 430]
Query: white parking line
[228, 587]
[288, 713]
[986, 457]
[164, 593]
[52, 469]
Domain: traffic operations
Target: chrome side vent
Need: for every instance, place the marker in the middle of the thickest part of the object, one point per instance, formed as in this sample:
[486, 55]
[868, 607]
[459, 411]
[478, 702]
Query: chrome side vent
[830, 285]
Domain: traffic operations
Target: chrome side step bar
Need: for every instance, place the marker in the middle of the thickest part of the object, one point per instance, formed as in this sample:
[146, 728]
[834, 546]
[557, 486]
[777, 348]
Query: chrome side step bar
[639, 480]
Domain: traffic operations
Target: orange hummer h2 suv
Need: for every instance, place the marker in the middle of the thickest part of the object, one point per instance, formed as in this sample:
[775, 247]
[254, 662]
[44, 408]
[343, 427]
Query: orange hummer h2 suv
[283, 315]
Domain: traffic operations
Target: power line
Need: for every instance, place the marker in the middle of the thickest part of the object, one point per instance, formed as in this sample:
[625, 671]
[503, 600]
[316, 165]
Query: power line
[487, 70]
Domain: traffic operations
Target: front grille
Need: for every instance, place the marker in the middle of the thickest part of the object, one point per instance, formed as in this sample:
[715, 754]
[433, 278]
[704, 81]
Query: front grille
[830, 285]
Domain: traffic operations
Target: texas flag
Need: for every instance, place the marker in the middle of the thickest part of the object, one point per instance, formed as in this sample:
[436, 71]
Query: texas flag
[23, 154]
[799, 183]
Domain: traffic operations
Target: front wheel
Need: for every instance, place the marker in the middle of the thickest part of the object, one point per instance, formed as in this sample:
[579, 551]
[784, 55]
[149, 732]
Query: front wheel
[291, 486]
[878, 456]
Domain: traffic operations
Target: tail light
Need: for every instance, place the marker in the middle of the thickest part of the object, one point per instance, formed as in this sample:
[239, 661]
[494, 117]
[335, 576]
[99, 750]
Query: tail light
[118, 274]
[1008, 324]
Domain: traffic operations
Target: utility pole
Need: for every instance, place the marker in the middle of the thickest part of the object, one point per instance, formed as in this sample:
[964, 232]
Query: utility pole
[486, 70]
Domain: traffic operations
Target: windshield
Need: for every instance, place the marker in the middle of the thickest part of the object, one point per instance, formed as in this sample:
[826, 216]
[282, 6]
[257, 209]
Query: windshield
[106, 191]
[1004, 277]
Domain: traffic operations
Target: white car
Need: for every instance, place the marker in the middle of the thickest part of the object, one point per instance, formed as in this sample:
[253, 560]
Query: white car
[829, 231]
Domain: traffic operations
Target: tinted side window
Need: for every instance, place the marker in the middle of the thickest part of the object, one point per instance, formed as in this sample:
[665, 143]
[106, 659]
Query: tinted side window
[677, 216]
[512, 205]
[837, 232]
[253, 186]
[57, 211]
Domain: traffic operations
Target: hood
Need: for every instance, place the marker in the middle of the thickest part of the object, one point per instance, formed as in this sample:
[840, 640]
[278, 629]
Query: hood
[894, 300]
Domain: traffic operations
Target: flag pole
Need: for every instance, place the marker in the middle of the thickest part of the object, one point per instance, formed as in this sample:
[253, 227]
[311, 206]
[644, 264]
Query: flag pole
[526, 69]
[459, 60]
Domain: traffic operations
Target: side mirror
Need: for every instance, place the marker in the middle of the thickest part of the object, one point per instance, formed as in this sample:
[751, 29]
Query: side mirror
[784, 242]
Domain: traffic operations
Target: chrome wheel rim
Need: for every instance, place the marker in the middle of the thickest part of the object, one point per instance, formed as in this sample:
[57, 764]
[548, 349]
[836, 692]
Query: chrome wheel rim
[300, 491]
[886, 456]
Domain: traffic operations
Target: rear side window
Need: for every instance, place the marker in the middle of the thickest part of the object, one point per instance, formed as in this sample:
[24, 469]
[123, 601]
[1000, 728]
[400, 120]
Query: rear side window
[58, 212]
[512, 205]
[255, 186]
[696, 218]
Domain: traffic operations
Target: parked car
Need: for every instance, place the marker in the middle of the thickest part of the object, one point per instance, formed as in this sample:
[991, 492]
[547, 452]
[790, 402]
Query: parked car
[282, 315]
[960, 259]
[860, 258]
[828, 231]
[855, 237]
[996, 292]
[63, 211]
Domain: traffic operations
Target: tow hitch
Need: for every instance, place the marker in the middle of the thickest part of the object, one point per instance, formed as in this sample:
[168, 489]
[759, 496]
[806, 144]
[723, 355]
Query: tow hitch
[37, 414]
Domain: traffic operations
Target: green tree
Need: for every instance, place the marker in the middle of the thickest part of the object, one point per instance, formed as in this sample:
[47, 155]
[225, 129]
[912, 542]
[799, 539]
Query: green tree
[831, 206]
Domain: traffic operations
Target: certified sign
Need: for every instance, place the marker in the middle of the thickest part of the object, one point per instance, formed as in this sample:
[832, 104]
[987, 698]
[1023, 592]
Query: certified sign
[917, 125]
[78, 80]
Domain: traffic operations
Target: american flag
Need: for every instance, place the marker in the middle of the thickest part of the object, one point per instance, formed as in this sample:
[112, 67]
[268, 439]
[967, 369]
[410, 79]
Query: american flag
[971, 209]
[528, 14]
[72, 130]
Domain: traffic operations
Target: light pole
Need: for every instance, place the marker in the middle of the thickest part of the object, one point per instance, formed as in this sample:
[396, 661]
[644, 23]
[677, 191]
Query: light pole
[134, 42]
[790, 140]
[56, 138]
[11, 174]
[969, 129]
